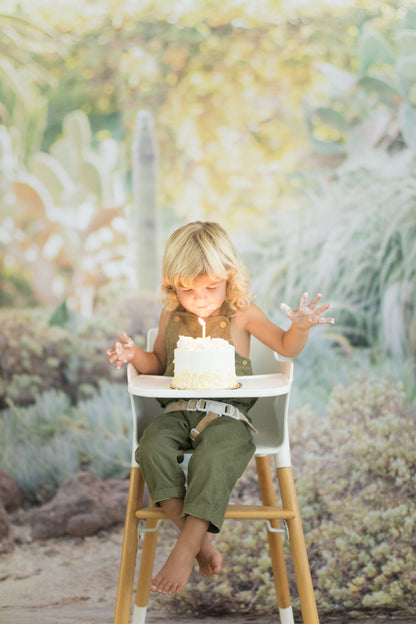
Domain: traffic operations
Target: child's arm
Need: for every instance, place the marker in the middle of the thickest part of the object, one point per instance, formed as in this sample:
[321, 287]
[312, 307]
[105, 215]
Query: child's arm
[146, 362]
[291, 342]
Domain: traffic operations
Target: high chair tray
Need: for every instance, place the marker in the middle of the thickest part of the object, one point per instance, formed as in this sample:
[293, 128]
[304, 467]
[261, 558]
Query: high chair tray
[251, 386]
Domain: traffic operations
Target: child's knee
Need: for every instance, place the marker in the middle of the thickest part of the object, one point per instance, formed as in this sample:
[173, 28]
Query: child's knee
[149, 446]
[157, 447]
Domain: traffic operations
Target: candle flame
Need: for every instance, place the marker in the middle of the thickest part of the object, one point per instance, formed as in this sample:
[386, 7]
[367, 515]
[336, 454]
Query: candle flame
[203, 324]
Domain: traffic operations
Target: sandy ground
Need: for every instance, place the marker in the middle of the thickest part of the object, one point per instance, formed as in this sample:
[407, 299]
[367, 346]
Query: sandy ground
[73, 581]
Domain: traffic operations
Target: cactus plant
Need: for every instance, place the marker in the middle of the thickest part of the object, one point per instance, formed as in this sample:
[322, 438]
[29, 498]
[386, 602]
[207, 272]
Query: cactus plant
[73, 151]
[77, 128]
[75, 192]
[144, 241]
[52, 174]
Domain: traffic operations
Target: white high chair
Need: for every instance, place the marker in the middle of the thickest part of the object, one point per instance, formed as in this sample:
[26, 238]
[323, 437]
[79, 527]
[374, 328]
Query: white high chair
[271, 384]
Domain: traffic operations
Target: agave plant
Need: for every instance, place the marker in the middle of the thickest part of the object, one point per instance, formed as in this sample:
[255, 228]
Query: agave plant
[63, 215]
[374, 107]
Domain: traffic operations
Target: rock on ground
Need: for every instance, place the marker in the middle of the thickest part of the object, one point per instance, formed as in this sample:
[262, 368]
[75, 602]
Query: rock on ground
[83, 506]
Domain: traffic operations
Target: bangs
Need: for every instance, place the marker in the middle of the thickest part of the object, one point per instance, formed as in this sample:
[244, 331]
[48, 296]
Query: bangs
[197, 263]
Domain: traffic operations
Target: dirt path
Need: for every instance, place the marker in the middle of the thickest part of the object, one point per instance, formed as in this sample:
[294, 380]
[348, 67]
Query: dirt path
[73, 581]
[80, 614]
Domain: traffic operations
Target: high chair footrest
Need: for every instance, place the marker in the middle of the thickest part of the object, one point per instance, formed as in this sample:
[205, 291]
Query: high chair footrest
[234, 512]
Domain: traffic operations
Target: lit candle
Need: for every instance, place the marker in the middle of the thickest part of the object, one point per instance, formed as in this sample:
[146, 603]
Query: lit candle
[202, 322]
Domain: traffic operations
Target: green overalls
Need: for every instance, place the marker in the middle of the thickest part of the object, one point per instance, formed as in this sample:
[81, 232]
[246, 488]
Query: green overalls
[220, 453]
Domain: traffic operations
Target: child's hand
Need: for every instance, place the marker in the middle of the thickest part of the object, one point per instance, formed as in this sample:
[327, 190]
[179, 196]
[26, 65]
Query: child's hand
[122, 351]
[307, 315]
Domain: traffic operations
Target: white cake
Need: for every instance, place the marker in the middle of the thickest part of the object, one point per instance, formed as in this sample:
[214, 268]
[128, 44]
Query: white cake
[204, 363]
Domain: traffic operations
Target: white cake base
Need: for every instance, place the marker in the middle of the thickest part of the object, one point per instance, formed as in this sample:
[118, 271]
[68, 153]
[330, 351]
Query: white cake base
[204, 363]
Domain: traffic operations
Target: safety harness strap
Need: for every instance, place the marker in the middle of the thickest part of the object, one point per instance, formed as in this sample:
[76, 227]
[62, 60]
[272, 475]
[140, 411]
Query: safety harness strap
[213, 409]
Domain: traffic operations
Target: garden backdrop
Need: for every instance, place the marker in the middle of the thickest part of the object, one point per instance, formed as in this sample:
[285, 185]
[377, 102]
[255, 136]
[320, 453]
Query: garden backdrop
[293, 123]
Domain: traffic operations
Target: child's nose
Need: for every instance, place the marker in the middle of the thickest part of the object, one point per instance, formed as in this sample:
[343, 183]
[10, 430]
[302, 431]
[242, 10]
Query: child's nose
[202, 296]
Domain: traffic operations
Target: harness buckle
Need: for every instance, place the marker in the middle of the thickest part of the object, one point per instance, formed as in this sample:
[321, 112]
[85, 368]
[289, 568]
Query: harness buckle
[217, 407]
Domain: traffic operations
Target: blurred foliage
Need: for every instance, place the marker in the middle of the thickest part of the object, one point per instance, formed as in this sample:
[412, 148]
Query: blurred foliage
[353, 234]
[63, 225]
[355, 479]
[329, 360]
[15, 290]
[36, 356]
[225, 85]
[368, 509]
[374, 107]
[224, 82]
[42, 445]
[63, 351]
[24, 48]
[354, 241]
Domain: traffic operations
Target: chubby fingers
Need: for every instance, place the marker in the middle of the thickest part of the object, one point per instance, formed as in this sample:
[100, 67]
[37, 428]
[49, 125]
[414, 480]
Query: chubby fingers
[318, 313]
[110, 353]
[323, 308]
[121, 351]
[314, 301]
[304, 306]
[114, 354]
[325, 321]
[128, 342]
[308, 314]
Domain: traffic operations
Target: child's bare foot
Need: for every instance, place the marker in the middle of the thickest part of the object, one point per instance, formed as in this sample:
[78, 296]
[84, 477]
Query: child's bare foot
[174, 575]
[209, 558]
[193, 543]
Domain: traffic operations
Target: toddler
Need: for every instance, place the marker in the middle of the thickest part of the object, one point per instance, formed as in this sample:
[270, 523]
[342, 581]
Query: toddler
[203, 276]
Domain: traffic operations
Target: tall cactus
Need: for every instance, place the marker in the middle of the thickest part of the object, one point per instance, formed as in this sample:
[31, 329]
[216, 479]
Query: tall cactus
[145, 222]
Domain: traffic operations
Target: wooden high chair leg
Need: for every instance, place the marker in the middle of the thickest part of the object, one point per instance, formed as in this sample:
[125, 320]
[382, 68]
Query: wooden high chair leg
[281, 583]
[129, 548]
[298, 547]
[146, 572]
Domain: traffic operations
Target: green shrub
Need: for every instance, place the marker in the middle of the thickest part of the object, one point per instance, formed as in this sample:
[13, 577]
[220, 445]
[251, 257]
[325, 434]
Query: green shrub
[36, 356]
[355, 473]
[362, 475]
[66, 352]
[328, 360]
[105, 444]
[42, 445]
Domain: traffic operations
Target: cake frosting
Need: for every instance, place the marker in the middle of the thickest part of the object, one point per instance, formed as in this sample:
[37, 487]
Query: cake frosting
[201, 363]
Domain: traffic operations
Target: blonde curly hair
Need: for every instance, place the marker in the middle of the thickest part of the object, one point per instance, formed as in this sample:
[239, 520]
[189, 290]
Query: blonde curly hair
[203, 248]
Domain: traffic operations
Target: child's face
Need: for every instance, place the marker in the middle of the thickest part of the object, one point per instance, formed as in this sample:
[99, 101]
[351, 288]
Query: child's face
[204, 296]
